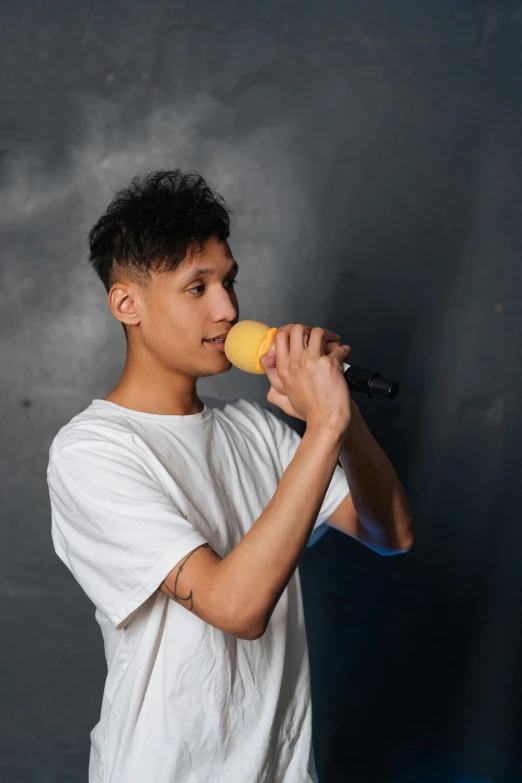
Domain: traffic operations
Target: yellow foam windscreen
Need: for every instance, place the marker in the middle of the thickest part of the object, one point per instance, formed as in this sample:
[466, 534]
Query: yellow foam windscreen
[246, 342]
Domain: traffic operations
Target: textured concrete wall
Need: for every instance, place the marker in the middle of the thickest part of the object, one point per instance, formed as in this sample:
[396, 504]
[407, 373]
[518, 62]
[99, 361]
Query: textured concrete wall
[371, 152]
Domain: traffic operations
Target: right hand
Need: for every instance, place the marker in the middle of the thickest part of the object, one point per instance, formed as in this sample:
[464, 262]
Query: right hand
[313, 380]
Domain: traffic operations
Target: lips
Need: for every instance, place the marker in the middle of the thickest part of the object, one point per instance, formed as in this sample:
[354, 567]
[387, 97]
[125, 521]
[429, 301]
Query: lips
[223, 336]
[220, 346]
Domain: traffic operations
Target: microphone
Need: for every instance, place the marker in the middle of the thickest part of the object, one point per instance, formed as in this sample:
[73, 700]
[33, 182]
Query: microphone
[247, 341]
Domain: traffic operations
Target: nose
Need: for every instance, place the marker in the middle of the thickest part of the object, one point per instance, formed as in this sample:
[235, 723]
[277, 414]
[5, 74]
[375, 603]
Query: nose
[227, 308]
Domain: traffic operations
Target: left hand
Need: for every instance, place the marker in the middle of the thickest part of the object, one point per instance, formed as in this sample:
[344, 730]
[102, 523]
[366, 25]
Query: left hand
[276, 394]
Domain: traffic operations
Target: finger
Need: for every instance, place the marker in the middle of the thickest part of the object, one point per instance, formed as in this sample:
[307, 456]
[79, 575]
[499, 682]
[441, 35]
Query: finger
[282, 348]
[274, 394]
[329, 345]
[329, 335]
[316, 343]
[346, 350]
[273, 377]
[267, 362]
[298, 335]
[271, 394]
[285, 331]
[343, 353]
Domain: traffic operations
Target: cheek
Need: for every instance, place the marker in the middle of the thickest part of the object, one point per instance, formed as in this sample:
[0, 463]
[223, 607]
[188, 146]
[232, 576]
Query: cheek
[159, 326]
[163, 313]
[178, 328]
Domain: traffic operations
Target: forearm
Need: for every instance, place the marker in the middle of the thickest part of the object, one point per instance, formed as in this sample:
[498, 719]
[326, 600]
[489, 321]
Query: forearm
[385, 517]
[258, 569]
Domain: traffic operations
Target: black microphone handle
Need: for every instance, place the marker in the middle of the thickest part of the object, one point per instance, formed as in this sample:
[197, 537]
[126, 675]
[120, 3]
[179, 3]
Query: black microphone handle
[368, 382]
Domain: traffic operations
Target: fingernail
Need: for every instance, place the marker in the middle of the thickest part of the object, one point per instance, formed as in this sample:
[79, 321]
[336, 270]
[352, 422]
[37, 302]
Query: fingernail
[271, 350]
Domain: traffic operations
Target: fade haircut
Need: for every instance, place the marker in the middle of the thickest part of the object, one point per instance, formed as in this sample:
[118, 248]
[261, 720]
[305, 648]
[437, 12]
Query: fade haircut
[151, 225]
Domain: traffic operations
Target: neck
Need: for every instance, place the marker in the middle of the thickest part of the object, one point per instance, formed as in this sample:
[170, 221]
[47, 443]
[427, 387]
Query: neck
[149, 388]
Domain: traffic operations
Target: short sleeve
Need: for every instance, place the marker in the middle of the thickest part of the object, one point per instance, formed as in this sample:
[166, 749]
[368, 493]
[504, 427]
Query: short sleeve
[113, 525]
[287, 440]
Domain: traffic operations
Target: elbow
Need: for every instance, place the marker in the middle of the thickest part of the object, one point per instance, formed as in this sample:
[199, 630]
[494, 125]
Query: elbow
[401, 543]
[401, 548]
[398, 543]
[389, 550]
[246, 628]
[407, 544]
[254, 629]
[408, 536]
[244, 622]
[250, 634]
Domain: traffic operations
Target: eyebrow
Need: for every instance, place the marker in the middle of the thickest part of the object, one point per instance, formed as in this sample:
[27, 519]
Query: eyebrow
[202, 271]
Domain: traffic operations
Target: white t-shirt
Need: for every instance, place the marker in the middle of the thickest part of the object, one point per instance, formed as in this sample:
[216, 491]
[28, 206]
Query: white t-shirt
[131, 494]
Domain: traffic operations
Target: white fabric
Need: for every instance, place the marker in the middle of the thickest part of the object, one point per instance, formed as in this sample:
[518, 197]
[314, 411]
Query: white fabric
[133, 493]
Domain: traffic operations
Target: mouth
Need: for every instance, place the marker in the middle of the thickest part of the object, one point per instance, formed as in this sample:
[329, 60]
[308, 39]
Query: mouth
[218, 344]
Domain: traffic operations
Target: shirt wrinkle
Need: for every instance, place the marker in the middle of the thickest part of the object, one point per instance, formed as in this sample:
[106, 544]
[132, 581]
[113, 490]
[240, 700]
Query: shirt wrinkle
[131, 496]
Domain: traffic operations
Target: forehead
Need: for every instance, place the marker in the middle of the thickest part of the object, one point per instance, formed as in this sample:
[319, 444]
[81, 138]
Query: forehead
[215, 258]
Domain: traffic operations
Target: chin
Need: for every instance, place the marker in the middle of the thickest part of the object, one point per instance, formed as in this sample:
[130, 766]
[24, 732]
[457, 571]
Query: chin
[207, 373]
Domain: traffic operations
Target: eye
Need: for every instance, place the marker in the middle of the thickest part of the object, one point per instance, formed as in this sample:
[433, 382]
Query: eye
[196, 291]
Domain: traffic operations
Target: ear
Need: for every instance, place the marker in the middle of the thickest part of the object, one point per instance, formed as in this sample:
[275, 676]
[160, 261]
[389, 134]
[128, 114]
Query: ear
[124, 303]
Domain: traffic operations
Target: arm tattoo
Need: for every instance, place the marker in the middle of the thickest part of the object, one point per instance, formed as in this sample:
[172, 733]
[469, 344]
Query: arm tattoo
[189, 599]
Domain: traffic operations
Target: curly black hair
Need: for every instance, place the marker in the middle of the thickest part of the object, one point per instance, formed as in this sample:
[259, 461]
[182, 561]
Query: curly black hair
[151, 224]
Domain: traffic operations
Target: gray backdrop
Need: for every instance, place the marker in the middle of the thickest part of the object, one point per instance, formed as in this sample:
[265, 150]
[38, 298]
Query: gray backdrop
[371, 151]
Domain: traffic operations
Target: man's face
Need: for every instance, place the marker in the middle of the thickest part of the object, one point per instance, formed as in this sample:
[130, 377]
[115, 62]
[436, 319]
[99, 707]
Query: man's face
[183, 308]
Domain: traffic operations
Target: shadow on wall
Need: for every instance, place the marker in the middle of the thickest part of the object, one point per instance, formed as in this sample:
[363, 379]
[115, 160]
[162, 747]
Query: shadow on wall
[408, 652]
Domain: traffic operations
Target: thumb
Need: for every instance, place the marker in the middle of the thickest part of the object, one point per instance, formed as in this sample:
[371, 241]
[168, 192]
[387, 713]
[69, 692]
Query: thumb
[268, 359]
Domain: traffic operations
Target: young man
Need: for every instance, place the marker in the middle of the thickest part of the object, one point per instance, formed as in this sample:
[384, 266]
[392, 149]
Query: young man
[184, 521]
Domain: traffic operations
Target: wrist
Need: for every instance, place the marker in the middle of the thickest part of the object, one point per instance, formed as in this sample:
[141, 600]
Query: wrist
[331, 430]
